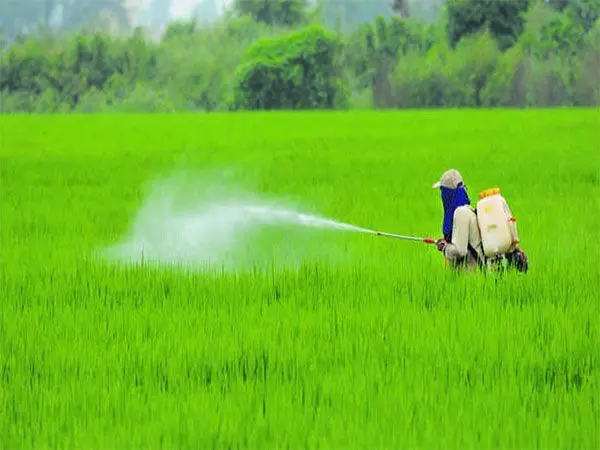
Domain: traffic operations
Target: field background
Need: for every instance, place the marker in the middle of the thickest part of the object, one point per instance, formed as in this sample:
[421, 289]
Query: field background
[341, 340]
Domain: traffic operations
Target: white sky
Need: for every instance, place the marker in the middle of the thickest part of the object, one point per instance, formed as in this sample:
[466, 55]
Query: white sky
[183, 8]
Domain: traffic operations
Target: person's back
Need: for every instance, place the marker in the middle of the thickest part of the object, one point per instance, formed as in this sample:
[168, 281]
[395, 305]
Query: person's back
[464, 248]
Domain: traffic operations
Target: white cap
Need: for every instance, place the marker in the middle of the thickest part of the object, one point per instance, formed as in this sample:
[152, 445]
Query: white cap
[450, 179]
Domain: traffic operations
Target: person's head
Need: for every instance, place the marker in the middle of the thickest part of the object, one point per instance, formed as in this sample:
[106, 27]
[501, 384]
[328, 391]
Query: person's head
[451, 179]
[453, 195]
[452, 188]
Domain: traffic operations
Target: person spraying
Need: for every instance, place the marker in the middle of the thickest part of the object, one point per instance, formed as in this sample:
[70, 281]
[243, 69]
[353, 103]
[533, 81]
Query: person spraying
[461, 244]
[485, 236]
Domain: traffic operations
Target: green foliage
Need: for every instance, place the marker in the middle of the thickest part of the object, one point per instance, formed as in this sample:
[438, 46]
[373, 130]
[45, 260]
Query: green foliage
[204, 81]
[382, 45]
[583, 12]
[356, 57]
[527, 79]
[433, 81]
[558, 5]
[401, 7]
[245, 30]
[504, 19]
[587, 78]
[587, 12]
[24, 66]
[447, 77]
[73, 67]
[331, 339]
[476, 57]
[562, 36]
[195, 65]
[113, 67]
[508, 86]
[179, 28]
[549, 82]
[296, 71]
[274, 12]
[552, 34]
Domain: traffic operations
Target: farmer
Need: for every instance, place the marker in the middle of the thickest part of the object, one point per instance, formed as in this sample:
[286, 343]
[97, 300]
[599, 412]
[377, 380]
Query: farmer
[461, 244]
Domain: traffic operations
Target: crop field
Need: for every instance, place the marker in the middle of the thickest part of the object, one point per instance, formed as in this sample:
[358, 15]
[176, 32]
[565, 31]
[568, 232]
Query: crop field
[294, 336]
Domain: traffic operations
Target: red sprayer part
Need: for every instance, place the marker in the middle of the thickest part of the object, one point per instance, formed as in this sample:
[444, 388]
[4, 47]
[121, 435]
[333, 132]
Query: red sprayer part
[429, 241]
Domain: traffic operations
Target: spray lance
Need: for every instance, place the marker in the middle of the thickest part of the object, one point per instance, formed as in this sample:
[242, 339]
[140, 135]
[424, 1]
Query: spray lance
[407, 238]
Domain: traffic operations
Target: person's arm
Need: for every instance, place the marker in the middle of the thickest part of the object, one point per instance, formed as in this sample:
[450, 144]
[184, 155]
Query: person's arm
[460, 235]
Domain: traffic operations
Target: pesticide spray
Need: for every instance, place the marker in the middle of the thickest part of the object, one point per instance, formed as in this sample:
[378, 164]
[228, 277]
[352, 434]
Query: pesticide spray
[219, 228]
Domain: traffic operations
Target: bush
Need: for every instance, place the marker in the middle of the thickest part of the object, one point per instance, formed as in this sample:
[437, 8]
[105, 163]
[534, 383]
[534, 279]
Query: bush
[192, 69]
[506, 87]
[146, 99]
[274, 12]
[93, 101]
[296, 71]
[17, 102]
[430, 82]
[547, 83]
[587, 75]
[504, 19]
[23, 67]
[549, 33]
[475, 61]
[371, 53]
[447, 78]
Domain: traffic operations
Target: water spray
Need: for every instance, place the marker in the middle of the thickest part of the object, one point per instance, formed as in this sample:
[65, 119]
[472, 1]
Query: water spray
[215, 230]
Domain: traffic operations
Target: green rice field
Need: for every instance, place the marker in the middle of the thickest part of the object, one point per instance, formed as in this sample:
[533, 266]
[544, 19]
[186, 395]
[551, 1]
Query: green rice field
[300, 337]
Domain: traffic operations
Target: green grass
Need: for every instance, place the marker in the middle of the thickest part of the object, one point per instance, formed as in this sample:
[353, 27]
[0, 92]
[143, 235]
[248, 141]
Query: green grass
[338, 340]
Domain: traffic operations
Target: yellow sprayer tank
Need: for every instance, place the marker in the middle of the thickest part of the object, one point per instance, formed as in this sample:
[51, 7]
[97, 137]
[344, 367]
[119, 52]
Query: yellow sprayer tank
[496, 223]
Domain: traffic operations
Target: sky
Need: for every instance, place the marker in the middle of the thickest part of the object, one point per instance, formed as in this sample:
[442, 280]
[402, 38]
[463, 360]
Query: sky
[183, 8]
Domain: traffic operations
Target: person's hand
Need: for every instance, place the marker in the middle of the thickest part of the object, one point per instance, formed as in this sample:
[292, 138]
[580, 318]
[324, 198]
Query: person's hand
[441, 244]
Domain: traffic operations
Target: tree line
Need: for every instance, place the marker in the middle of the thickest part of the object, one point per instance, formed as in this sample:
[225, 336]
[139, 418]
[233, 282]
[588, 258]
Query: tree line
[290, 54]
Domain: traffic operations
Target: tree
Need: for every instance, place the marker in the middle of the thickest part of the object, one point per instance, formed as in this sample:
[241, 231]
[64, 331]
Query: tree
[585, 12]
[504, 19]
[180, 28]
[297, 71]
[553, 34]
[274, 12]
[401, 8]
[384, 43]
